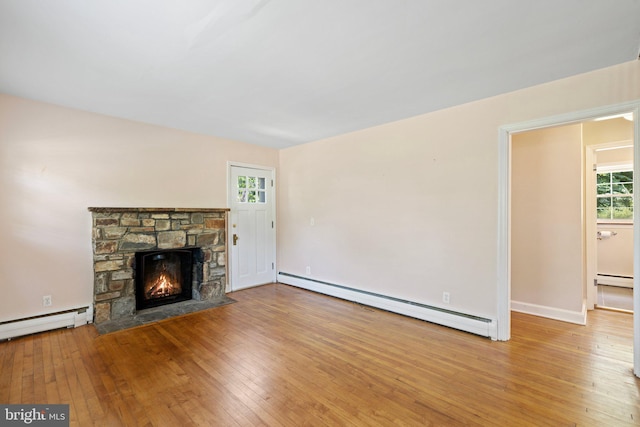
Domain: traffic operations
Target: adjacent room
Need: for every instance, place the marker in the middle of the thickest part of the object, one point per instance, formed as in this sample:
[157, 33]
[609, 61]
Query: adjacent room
[254, 212]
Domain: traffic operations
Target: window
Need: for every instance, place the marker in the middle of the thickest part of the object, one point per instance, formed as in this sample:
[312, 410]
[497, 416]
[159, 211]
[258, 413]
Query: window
[252, 189]
[615, 194]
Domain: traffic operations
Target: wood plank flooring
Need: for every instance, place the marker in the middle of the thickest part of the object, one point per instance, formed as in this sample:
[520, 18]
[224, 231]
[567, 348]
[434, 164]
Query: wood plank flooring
[282, 356]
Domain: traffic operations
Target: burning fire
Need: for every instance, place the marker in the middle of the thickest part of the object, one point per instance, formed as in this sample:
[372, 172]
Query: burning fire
[162, 286]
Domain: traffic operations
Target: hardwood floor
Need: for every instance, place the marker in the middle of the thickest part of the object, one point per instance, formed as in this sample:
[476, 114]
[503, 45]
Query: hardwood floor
[282, 356]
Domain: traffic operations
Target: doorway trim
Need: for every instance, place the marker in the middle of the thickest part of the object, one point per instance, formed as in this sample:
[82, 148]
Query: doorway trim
[504, 211]
[230, 195]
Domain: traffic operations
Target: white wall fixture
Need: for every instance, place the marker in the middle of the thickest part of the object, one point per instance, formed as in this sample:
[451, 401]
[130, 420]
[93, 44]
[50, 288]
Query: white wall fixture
[69, 319]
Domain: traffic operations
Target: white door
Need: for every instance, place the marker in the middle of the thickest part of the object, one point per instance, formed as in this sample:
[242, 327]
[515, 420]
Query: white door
[252, 227]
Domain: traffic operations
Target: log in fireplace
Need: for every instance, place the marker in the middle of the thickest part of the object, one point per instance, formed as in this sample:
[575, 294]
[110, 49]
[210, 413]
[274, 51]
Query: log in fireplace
[166, 276]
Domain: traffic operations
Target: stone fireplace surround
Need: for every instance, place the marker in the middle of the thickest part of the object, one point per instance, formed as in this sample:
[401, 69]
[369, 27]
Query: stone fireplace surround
[118, 233]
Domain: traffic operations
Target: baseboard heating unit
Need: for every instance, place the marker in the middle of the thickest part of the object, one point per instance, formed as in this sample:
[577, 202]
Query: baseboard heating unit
[462, 321]
[66, 319]
[615, 280]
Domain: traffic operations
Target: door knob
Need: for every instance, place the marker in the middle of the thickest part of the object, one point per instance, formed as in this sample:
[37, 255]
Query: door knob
[235, 239]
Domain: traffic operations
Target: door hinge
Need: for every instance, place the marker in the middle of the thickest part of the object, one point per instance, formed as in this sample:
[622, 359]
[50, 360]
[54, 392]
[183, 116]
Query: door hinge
[595, 167]
[271, 224]
[272, 183]
[273, 266]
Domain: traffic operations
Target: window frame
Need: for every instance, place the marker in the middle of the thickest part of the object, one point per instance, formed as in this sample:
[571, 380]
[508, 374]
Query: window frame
[612, 168]
[252, 184]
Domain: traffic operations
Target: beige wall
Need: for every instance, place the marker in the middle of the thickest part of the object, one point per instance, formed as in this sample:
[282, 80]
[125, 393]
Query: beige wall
[407, 209]
[410, 209]
[546, 218]
[615, 253]
[608, 131]
[55, 162]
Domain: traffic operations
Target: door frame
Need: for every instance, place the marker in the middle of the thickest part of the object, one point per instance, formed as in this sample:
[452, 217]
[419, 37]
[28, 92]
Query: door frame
[230, 164]
[504, 211]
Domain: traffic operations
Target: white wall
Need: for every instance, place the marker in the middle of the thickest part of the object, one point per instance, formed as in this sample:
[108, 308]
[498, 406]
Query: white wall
[55, 162]
[410, 209]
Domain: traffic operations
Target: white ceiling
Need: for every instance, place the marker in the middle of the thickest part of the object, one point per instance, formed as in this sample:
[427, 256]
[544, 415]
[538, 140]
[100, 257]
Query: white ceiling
[285, 72]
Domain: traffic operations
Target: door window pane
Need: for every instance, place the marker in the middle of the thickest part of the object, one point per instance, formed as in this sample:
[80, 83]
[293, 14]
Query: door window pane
[252, 189]
[242, 182]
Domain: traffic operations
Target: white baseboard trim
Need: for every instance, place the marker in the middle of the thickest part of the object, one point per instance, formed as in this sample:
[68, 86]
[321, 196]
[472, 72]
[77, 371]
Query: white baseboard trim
[577, 317]
[624, 282]
[462, 321]
[67, 319]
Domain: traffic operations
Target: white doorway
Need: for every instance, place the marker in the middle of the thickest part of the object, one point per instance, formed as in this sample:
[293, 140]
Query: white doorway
[251, 226]
[547, 227]
[504, 212]
[611, 188]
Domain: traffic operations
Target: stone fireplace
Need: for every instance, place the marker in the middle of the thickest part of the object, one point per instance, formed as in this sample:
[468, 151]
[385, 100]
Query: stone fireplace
[131, 242]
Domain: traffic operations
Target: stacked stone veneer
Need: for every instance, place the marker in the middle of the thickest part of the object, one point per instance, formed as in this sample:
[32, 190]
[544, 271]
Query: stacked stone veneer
[118, 233]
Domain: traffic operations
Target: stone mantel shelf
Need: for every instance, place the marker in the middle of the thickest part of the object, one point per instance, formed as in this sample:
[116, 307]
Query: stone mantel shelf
[157, 210]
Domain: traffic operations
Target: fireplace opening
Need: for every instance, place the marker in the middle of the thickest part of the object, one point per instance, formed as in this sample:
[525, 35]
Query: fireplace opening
[165, 276]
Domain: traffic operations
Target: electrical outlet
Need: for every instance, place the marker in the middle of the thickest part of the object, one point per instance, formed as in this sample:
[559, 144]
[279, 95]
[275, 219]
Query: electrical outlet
[446, 297]
[308, 270]
[46, 301]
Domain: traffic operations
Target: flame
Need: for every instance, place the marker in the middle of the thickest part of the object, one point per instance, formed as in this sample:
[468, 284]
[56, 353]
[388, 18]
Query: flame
[163, 286]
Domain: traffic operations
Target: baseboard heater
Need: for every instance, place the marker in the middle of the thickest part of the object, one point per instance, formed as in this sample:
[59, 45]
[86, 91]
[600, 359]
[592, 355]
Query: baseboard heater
[47, 322]
[441, 316]
[615, 280]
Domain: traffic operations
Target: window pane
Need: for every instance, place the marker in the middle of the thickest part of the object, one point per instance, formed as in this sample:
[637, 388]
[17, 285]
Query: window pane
[251, 182]
[261, 183]
[622, 176]
[242, 196]
[618, 186]
[262, 197]
[252, 197]
[622, 188]
[604, 213]
[622, 213]
[622, 208]
[604, 178]
[619, 202]
[242, 182]
[618, 189]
